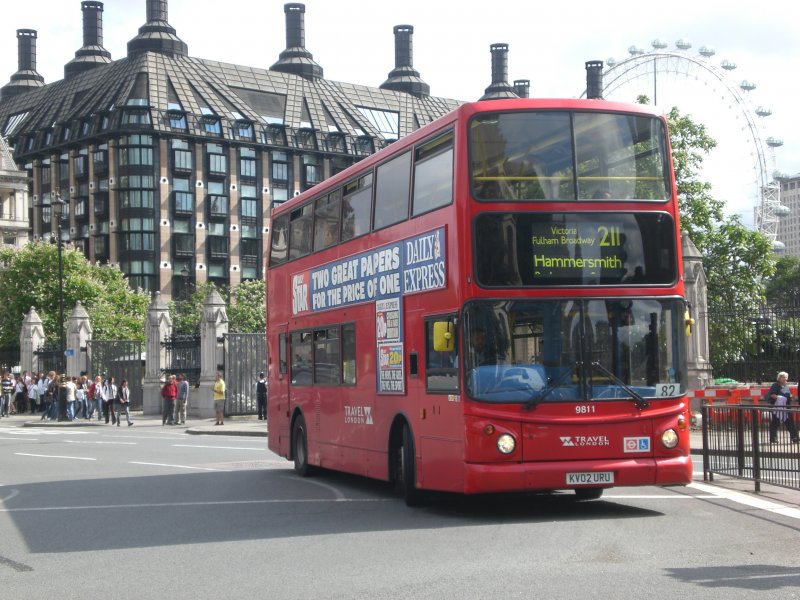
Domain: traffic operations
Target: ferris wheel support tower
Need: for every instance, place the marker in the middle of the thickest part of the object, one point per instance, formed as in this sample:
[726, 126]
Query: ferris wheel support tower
[680, 61]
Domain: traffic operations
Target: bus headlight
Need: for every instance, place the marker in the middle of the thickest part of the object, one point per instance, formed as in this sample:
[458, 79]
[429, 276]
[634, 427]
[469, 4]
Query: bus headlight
[669, 439]
[506, 443]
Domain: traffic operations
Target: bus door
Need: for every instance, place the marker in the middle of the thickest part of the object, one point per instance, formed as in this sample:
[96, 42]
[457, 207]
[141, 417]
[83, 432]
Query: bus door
[441, 427]
[278, 392]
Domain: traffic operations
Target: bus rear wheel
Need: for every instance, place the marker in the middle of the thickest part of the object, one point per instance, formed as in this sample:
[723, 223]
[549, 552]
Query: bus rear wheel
[588, 493]
[300, 448]
[405, 470]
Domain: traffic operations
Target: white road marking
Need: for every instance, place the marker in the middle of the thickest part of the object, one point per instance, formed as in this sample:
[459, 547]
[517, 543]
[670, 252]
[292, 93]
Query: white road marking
[10, 496]
[185, 504]
[54, 456]
[654, 496]
[216, 447]
[93, 442]
[175, 466]
[17, 439]
[339, 495]
[747, 500]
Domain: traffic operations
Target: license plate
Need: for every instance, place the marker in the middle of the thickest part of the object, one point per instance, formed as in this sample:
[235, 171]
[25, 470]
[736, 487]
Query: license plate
[591, 478]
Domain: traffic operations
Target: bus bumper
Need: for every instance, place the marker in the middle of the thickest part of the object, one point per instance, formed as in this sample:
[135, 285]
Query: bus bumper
[539, 476]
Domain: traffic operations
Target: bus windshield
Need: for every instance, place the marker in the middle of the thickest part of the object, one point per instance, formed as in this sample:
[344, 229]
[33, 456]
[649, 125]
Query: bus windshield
[564, 156]
[532, 351]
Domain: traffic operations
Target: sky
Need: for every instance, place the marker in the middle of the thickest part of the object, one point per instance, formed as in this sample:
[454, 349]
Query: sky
[549, 42]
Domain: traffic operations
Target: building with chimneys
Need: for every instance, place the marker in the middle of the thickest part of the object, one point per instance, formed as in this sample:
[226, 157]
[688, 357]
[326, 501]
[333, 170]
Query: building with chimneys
[170, 163]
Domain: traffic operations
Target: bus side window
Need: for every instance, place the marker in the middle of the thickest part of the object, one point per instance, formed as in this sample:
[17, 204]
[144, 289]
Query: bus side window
[349, 354]
[441, 367]
[301, 357]
[282, 366]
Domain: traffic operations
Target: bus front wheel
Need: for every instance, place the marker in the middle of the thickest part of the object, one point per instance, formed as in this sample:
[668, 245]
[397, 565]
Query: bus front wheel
[300, 448]
[405, 470]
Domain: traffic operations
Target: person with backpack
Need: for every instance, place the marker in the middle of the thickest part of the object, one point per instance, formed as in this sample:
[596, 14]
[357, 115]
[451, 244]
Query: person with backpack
[261, 396]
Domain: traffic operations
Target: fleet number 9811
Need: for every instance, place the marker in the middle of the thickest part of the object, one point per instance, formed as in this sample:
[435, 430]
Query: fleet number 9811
[584, 409]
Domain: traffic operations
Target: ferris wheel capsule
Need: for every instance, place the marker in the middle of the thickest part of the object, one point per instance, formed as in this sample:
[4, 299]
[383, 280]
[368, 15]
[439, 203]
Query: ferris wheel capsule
[707, 52]
[658, 44]
[683, 44]
[728, 65]
[782, 210]
[747, 86]
[761, 111]
[774, 142]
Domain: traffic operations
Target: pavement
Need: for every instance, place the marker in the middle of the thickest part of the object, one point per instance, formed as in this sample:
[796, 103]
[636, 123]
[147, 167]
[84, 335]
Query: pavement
[249, 425]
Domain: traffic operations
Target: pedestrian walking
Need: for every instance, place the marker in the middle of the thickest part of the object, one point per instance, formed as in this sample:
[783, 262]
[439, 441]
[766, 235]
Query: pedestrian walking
[169, 391]
[70, 387]
[182, 400]
[20, 396]
[219, 399]
[261, 396]
[6, 389]
[96, 398]
[123, 402]
[33, 395]
[109, 395]
[780, 397]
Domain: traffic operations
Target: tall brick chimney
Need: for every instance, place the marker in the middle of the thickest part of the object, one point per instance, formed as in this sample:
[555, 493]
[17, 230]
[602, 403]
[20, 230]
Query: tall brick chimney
[404, 78]
[91, 54]
[500, 88]
[296, 59]
[26, 78]
[157, 35]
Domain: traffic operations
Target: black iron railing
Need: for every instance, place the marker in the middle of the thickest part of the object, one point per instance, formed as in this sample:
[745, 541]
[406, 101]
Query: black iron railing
[737, 442]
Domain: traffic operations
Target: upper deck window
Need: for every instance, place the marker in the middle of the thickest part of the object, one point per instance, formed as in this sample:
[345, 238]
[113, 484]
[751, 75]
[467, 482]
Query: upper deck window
[562, 156]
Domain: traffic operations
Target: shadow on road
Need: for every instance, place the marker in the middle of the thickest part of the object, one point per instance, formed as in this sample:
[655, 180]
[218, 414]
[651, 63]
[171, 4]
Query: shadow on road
[163, 510]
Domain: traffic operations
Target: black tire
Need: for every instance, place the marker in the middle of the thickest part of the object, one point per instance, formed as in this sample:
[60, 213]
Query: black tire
[406, 470]
[588, 493]
[300, 448]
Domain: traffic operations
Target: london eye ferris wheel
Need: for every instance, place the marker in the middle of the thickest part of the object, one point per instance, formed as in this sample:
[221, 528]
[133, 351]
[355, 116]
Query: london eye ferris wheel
[651, 67]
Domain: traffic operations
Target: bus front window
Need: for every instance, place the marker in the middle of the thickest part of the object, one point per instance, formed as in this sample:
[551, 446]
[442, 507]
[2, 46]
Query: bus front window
[574, 350]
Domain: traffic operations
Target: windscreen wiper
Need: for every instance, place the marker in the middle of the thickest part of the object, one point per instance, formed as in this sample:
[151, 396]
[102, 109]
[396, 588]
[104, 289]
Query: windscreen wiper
[545, 391]
[640, 401]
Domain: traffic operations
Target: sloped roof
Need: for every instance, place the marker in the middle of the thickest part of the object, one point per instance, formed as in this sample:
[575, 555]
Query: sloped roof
[232, 92]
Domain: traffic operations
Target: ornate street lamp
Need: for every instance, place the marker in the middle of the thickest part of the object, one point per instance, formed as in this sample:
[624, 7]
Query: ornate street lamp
[57, 208]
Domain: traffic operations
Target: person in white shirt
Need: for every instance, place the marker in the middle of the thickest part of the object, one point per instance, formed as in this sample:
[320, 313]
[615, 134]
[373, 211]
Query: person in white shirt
[109, 394]
[69, 389]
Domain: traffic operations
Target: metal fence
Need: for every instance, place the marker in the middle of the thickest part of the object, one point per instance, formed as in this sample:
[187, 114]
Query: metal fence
[9, 358]
[122, 359]
[183, 356]
[50, 358]
[245, 358]
[753, 346]
[736, 443]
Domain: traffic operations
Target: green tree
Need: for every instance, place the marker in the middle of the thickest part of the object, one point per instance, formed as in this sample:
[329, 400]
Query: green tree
[247, 309]
[186, 311]
[29, 278]
[737, 260]
[784, 286]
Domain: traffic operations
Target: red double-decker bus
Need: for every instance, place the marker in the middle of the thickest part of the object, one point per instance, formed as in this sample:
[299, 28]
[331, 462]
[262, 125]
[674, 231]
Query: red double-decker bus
[493, 303]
